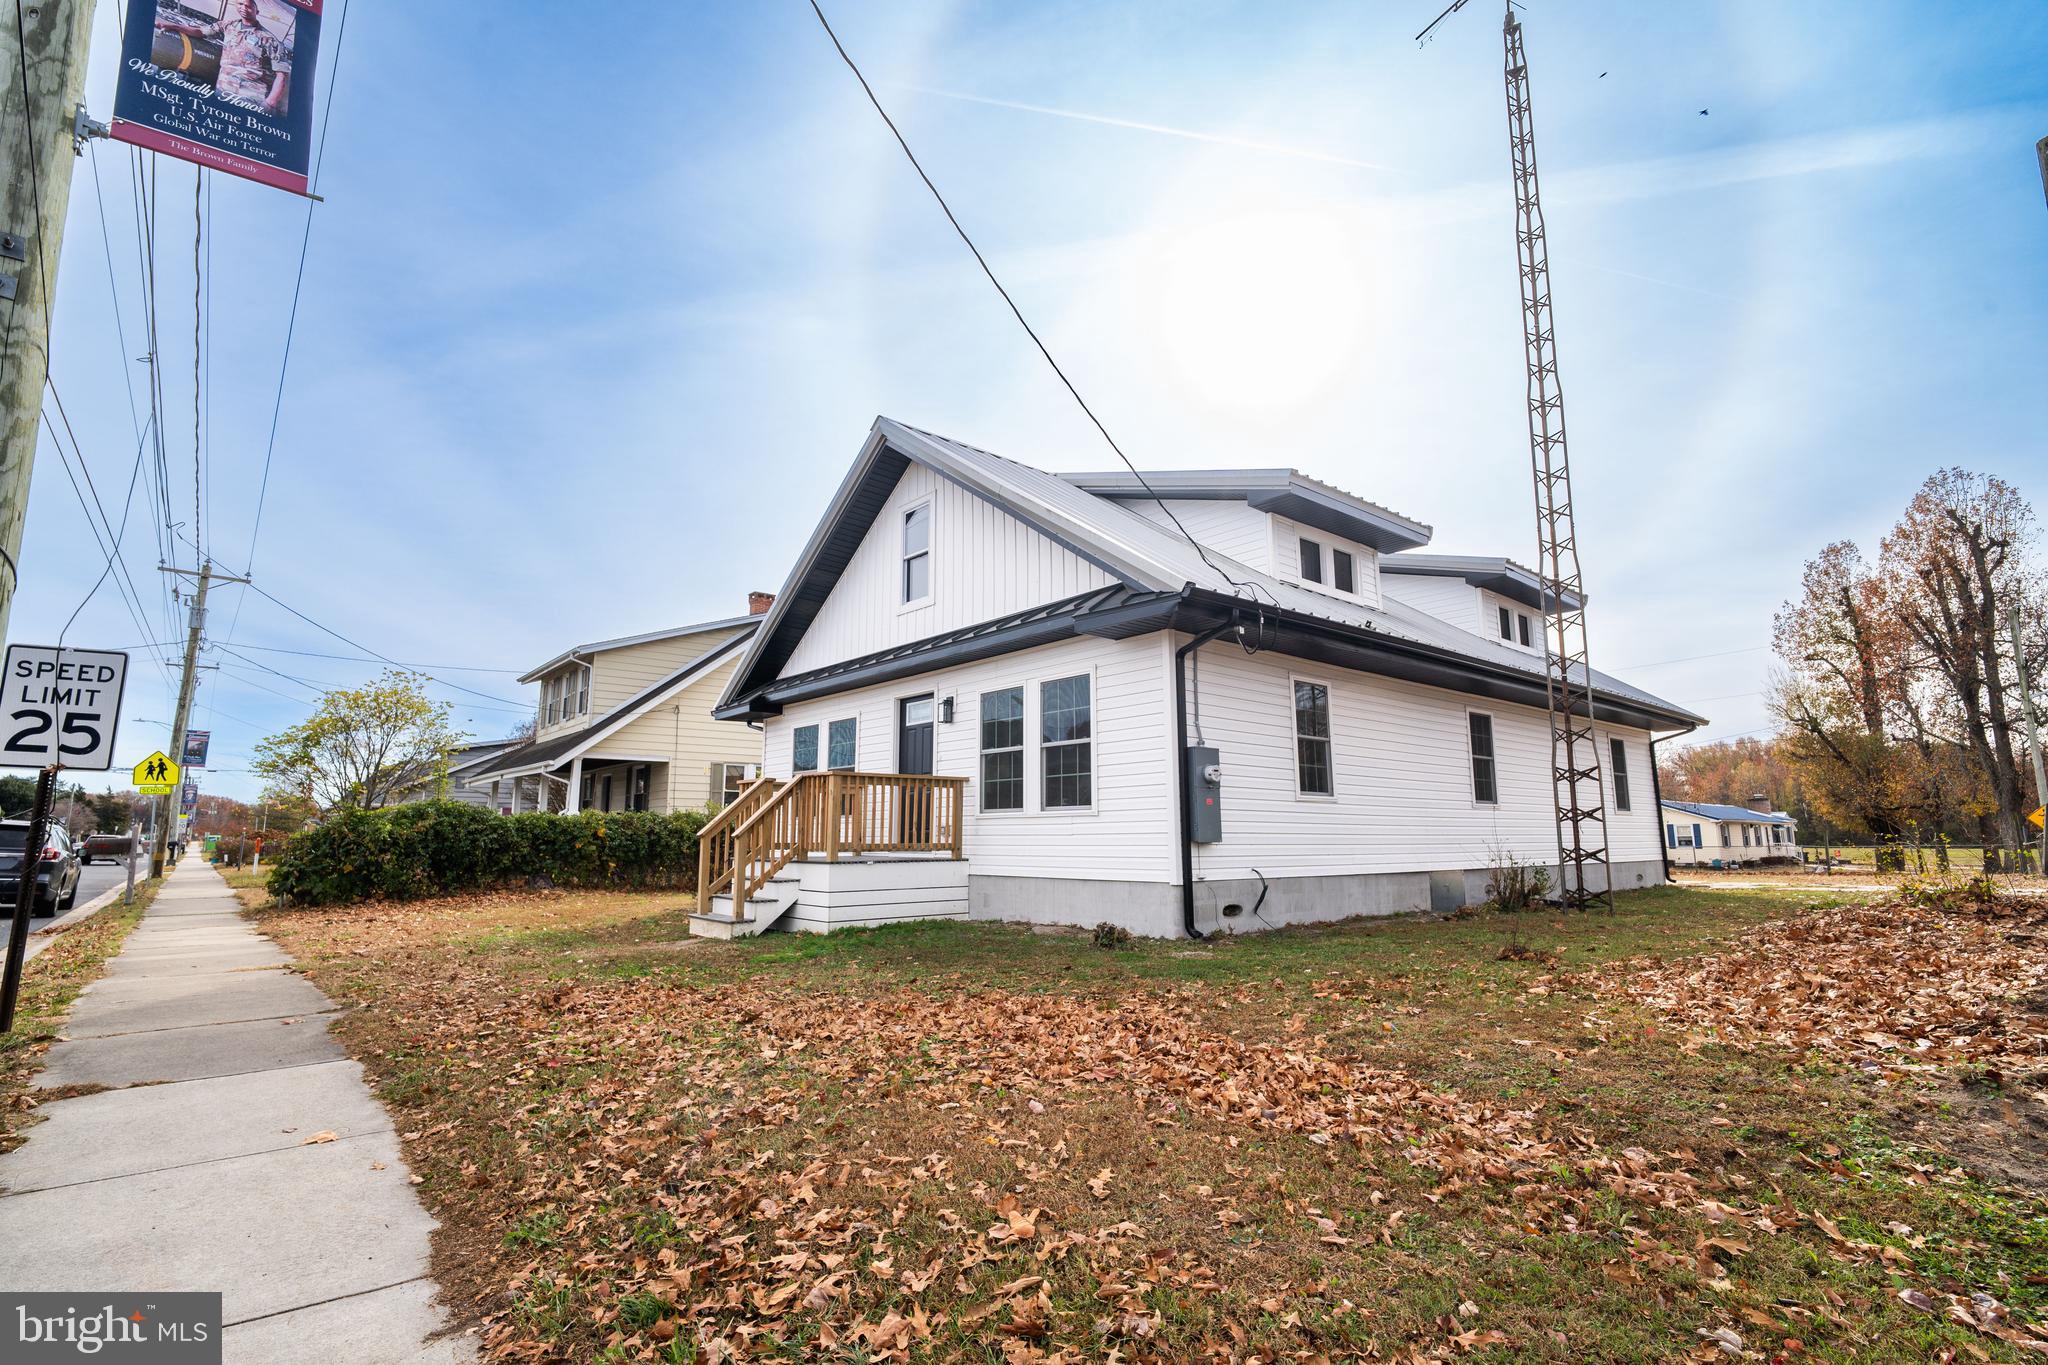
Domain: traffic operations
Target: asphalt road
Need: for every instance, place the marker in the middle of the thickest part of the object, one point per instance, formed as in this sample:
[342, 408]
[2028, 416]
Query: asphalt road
[101, 876]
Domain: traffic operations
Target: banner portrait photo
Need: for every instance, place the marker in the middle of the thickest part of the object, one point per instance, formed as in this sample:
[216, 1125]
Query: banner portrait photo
[224, 83]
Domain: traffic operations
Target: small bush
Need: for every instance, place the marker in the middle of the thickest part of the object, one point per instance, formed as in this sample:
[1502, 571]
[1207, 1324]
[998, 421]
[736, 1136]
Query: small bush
[444, 848]
[1949, 891]
[1512, 884]
[1109, 935]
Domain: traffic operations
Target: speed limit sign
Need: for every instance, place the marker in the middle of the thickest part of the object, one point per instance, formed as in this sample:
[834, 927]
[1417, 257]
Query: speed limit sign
[60, 707]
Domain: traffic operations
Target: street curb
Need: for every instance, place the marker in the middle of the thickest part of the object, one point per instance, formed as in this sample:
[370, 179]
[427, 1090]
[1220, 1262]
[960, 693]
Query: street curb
[39, 939]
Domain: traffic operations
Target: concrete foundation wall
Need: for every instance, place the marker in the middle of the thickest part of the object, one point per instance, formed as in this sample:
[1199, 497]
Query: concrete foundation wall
[1153, 908]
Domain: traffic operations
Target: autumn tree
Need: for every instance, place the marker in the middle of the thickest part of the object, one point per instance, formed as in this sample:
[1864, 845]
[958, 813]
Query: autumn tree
[363, 746]
[1730, 772]
[1963, 554]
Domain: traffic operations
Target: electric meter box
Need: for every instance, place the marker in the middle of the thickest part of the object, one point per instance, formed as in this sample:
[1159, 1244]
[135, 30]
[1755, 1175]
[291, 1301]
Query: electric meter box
[1205, 795]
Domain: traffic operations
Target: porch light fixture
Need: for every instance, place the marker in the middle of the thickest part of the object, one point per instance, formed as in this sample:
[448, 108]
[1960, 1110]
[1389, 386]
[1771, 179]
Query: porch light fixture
[945, 710]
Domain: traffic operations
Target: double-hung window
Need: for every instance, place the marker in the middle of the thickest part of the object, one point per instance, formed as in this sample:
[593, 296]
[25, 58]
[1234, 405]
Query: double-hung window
[917, 554]
[1485, 786]
[1311, 560]
[1620, 764]
[839, 739]
[1343, 571]
[583, 691]
[1507, 624]
[1002, 749]
[1066, 717]
[803, 749]
[1314, 771]
[1522, 624]
[552, 689]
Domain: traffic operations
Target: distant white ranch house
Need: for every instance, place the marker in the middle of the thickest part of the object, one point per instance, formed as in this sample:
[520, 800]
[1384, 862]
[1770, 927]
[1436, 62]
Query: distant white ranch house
[1702, 834]
[991, 691]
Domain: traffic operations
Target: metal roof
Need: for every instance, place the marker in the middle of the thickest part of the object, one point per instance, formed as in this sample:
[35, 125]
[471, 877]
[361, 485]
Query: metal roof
[1288, 492]
[1495, 573]
[1143, 556]
[673, 633]
[1706, 810]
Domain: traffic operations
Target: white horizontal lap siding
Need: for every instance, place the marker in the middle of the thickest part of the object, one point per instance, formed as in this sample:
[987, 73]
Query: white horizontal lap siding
[1451, 600]
[1128, 834]
[1403, 798]
[1635, 834]
[1228, 526]
[618, 675]
[985, 564]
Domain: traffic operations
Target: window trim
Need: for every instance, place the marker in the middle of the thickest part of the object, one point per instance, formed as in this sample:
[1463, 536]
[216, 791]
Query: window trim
[1295, 736]
[1302, 545]
[1346, 561]
[1507, 621]
[1022, 750]
[1035, 721]
[1617, 781]
[817, 735]
[929, 504]
[1523, 633]
[1472, 759]
[854, 766]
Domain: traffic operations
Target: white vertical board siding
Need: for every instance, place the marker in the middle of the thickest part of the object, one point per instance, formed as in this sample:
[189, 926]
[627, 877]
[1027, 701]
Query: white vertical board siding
[1128, 836]
[1403, 777]
[1228, 526]
[1452, 600]
[985, 564]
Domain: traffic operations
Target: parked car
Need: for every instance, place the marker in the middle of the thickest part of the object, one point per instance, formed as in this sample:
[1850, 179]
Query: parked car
[56, 871]
[112, 846]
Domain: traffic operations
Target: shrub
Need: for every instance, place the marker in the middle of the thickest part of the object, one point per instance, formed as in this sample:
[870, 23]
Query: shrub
[1950, 891]
[1512, 884]
[444, 848]
[1109, 935]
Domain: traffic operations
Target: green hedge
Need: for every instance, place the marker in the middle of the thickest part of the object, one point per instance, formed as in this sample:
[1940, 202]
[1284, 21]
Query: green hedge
[443, 848]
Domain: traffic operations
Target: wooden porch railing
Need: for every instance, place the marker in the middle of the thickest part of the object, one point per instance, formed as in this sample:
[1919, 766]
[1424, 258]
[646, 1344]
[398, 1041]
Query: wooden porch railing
[714, 840]
[828, 814]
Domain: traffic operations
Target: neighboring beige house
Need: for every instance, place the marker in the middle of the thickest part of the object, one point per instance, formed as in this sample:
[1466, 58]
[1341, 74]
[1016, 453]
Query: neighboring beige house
[626, 724]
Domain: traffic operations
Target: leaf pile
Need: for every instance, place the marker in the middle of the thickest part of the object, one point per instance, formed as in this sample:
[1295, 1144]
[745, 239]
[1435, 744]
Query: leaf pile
[1890, 988]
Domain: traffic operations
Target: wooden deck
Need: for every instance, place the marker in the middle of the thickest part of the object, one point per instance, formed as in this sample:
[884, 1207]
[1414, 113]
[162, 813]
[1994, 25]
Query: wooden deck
[823, 815]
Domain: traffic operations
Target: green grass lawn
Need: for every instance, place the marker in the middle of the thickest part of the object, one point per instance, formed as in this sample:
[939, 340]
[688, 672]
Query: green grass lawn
[1380, 1139]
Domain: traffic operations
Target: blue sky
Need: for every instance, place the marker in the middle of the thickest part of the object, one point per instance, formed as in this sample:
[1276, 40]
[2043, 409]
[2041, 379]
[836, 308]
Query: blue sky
[595, 315]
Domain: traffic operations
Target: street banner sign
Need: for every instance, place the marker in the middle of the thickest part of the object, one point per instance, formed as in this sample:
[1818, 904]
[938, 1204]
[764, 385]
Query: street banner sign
[223, 83]
[189, 802]
[156, 775]
[195, 747]
[61, 707]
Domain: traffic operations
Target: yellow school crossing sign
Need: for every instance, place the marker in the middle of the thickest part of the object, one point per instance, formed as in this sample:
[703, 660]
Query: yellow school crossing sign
[156, 775]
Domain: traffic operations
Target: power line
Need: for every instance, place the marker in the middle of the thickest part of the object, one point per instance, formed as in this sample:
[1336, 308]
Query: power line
[354, 658]
[382, 658]
[113, 290]
[198, 236]
[1015, 311]
[1691, 658]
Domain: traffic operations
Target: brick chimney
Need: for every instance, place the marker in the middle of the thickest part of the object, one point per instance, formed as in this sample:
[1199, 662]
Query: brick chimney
[759, 602]
[1760, 803]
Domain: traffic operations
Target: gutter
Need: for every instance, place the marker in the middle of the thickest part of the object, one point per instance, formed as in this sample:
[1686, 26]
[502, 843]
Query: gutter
[1180, 771]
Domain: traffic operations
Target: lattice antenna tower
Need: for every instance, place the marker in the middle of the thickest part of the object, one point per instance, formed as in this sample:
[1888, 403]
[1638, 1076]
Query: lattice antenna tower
[1583, 873]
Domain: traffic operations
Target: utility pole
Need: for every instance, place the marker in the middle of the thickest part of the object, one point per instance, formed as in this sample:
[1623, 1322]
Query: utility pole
[2019, 658]
[207, 578]
[37, 125]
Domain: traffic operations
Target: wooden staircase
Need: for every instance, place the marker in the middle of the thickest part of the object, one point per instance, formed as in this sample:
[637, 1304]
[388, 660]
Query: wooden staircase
[743, 851]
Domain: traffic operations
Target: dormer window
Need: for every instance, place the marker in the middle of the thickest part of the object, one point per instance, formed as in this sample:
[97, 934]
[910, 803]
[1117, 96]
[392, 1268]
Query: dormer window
[1524, 627]
[917, 554]
[1311, 561]
[1344, 573]
[1507, 624]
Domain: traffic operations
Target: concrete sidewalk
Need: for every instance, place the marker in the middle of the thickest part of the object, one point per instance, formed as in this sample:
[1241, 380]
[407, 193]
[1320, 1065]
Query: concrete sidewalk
[192, 1170]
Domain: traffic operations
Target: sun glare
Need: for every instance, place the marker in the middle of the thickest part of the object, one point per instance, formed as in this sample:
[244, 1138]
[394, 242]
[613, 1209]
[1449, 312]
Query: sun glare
[1261, 312]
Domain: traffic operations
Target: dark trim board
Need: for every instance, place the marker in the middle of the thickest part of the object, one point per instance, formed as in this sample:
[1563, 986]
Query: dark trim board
[1120, 614]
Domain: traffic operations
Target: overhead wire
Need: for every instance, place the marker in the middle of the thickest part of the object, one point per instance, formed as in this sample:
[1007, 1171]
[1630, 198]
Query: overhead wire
[1247, 589]
[259, 590]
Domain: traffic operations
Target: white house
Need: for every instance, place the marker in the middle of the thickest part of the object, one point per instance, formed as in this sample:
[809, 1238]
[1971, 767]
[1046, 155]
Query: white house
[1702, 834]
[626, 724]
[991, 691]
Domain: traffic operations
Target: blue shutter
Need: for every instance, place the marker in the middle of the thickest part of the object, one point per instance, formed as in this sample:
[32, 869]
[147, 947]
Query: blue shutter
[1671, 836]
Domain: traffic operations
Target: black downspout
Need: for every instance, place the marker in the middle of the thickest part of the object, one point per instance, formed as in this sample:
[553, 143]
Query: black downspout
[1657, 796]
[1180, 771]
